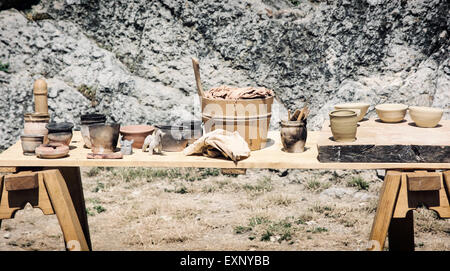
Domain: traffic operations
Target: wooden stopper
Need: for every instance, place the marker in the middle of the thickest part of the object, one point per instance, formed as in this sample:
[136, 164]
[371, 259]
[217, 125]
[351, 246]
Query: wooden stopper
[40, 96]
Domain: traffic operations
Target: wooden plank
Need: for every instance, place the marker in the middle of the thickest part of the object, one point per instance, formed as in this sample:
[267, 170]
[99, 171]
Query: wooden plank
[234, 171]
[72, 177]
[386, 204]
[21, 181]
[387, 142]
[424, 181]
[8, 169]
[65, 210]
[401, 233]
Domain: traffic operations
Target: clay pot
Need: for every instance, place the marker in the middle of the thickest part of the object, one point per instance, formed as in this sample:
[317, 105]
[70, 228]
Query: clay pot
[293, 136]
[104, 137]
[427, 117]
[30, 143]
[89, 119]
[52, 150]
[360, 108]
[193, 130]
[391, 112]
[173, 139]
[35, 124]
[343, 125]
[60, 132]
[138, 133]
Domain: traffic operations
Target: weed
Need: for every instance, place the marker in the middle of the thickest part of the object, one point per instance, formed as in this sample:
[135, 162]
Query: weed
[359, 183]
[99, 187]
[89, 92]
[257, 220]
[93, 172]
[318, 230]
[316, 186]
[4, 67]
[99, 209]
[262, 186]
[266, 236]
[242, 229]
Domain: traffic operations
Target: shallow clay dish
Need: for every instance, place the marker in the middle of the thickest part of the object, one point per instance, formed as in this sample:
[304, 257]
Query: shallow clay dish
[391, 112]
[136, 132]
[361, 108]
[52, 151]
[426, 117]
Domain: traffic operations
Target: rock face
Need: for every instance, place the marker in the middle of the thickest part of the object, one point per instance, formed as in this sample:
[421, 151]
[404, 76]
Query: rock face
[136, 55]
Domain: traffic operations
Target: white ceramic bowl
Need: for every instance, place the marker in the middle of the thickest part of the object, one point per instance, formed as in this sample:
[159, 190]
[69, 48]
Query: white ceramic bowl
[391, 112]
[427, 117]
[360, 108]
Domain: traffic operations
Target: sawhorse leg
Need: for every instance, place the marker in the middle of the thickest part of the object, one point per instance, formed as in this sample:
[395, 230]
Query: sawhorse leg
[54, 192]
[400, 195]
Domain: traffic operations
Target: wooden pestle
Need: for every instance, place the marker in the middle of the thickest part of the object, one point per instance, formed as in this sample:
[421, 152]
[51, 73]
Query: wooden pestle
[40, 96]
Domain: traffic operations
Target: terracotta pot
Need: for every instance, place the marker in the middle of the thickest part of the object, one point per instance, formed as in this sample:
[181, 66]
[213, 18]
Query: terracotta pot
[361, 108]
[193, 130]
[293, 136]
[89, 119]
[343, 125]
[138, 133]
[427, 117]
[35, 124]
[104, 137]
[391, 112]
[52, 151]
[60, 132]
[30, 143]
[173, 139]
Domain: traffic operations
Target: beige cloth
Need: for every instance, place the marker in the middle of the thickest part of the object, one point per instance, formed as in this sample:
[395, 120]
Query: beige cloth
[227, 92]
[220, 142]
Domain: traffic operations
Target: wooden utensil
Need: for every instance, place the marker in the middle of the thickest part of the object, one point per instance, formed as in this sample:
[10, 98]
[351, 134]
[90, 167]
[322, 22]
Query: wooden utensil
[295, 116]
[196, 66]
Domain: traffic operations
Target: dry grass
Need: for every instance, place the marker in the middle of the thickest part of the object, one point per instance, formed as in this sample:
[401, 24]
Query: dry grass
[201, 209]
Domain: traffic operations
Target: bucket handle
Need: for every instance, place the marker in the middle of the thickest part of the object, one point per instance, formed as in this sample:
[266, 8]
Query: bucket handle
[197, 77]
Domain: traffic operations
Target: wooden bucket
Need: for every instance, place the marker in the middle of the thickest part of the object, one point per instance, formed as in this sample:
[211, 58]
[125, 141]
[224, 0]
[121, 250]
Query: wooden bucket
[250, 117]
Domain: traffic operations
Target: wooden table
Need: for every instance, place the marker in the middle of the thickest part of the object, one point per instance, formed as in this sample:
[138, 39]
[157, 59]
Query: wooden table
[55, 184]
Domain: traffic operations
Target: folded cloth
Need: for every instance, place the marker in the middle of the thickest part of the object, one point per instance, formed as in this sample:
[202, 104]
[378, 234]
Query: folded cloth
[220, 142]
[227, 92]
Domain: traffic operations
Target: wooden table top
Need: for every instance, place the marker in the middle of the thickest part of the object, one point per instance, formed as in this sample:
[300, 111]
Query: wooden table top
[270, 157]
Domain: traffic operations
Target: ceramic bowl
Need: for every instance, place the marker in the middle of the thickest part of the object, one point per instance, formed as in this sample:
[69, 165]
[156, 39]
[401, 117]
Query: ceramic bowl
[360, 108]
[391, 112]
[30, 143]
[173, 139]
[343, 124]
[138, 133]
[193, 130]
[426, 117]
[60, 132]
[104, 137]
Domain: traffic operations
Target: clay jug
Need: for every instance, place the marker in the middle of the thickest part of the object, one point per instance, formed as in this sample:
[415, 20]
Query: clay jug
[293, 136]
[343, 125]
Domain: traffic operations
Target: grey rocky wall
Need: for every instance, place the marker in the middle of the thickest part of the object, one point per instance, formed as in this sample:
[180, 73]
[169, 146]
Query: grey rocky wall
[136, 55]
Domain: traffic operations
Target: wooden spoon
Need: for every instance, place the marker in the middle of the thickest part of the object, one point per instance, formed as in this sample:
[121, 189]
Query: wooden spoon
[295, 116]
[196, 66]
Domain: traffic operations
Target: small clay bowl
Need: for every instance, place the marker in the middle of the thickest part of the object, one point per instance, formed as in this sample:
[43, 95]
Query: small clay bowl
[104, 137]
[89, 119]
[391, 112]
[360, 108]
[192, 130]
[173, 139]
[52, 150]
[427, 117]
[136, 132]
[60, 132]
[30, 143]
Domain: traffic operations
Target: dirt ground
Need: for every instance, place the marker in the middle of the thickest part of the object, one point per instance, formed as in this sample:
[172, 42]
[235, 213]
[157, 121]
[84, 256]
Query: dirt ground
[201, 209]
